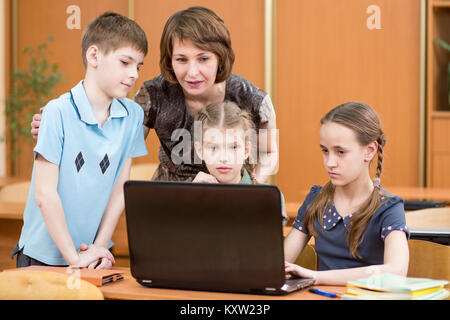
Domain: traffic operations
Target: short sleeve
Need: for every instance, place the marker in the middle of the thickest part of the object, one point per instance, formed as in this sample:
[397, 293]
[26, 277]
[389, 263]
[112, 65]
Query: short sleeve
[267, 112]
[393, 218]
[142, 98]
[138, 147]
[51, 134]
[298, 222]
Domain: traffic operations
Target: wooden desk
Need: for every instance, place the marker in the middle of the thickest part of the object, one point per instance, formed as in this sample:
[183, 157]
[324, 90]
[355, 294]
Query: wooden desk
[11, 214]
[429, 218]
[129, 289]
[407, 193]
[417, 193]
[8, 180]
[11, 210]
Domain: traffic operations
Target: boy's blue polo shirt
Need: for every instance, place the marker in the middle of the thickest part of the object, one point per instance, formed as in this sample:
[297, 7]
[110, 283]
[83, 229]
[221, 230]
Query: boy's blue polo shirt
[90, 159]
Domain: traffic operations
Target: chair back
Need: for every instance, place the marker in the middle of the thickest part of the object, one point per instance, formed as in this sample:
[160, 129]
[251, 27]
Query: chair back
[142, 171]
[308, 258]
[428, 260]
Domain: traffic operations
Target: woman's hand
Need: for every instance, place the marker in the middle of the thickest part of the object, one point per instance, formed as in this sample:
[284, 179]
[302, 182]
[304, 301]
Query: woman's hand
[35, 123]
[205, 178]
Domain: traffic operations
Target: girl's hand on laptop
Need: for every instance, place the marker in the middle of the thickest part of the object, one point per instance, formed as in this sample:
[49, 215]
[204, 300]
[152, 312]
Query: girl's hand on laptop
[293, 270]
[205, 178]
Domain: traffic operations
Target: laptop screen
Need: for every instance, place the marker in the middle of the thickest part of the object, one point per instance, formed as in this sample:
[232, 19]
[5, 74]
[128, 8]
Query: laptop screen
[223, 237]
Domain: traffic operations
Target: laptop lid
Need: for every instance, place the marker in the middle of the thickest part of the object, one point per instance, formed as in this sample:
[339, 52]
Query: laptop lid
[219, 237]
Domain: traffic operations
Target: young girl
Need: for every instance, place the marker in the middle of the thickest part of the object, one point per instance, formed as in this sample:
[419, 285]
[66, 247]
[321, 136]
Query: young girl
[359, 228]
[225, 145]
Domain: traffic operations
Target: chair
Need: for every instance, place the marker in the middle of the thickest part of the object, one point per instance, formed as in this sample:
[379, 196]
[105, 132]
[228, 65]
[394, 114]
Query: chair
[15, 192]
[143, 171]
[308, 258]
[40, 285]
[428, 260]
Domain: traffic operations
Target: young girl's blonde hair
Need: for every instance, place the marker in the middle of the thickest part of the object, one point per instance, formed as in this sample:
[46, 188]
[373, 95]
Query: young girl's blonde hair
[364, 121]
[227, 115]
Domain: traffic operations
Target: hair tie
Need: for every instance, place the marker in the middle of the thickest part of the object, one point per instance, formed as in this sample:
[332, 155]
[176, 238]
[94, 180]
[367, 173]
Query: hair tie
[376, 182]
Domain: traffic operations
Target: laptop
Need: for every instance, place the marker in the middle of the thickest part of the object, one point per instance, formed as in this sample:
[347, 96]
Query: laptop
[210, 237]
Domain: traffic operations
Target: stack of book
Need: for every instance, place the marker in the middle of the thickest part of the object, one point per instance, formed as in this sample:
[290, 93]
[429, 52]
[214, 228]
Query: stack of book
[394, 287]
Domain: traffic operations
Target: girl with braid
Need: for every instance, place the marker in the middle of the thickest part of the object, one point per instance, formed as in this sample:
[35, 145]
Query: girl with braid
[358, 227]
[224, 145]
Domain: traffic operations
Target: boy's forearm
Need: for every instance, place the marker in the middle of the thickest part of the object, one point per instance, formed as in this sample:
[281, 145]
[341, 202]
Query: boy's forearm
[114, 208]
[53, 214]
[109, 221]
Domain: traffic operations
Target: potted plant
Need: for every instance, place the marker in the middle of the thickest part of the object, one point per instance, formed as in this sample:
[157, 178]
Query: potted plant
[31, 89]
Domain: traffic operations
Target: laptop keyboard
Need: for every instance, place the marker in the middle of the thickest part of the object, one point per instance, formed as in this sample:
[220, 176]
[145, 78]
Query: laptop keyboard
[296, 284]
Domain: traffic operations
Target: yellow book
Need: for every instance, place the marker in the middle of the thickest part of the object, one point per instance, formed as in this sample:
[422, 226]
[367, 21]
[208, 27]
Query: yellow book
[376, 294]
[390, 286]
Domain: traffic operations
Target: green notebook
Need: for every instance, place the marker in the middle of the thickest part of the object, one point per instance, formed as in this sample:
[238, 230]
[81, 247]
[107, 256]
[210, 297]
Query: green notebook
[394, 283]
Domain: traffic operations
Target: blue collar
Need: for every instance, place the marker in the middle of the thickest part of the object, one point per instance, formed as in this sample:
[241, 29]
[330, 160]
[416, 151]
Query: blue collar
[81, 102]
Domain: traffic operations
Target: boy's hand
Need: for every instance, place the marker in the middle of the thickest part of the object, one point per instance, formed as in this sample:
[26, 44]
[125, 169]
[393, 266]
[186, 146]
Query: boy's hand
[205, 178]
[35, 123]
[90, 256]
[104, 264]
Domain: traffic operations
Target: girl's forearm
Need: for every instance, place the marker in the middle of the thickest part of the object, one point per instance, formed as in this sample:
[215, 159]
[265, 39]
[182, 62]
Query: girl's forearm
[340, 277]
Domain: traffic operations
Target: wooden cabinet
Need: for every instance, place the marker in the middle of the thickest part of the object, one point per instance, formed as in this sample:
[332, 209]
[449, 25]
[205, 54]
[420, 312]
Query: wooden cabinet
[438, 106]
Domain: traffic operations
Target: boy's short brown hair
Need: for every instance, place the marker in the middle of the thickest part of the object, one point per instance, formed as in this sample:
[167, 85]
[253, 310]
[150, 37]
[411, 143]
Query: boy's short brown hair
[111, 31]
[206, 30]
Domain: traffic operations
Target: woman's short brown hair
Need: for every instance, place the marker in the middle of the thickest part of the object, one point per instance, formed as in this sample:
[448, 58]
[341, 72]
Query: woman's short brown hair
[110, 31]
[206, 30]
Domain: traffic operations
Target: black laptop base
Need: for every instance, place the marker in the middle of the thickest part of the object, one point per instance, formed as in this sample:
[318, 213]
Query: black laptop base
[290, 285]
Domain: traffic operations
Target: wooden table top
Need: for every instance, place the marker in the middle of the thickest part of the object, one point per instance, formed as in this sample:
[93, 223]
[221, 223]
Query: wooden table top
[419, 193]
[129, 289]
[429, 218]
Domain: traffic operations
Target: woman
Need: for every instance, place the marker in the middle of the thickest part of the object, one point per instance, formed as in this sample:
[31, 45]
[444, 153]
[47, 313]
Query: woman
[196, 69]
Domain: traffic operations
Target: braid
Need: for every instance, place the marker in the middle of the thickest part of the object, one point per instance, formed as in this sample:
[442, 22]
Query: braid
[381, 142]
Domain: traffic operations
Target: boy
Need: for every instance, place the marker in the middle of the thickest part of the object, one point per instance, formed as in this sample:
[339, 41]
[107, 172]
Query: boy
[83, 155]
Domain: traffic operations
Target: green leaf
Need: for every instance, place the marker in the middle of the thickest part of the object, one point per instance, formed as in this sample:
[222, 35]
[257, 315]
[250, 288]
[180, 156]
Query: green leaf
[31, 89]
[444, 44]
